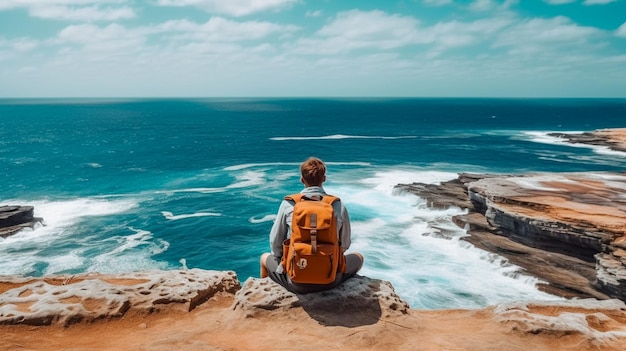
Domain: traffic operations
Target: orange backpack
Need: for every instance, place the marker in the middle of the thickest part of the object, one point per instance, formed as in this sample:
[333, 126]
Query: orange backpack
[313, 255]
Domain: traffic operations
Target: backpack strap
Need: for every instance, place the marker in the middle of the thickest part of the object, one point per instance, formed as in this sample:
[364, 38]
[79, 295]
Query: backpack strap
[293, 197]
[329, 199]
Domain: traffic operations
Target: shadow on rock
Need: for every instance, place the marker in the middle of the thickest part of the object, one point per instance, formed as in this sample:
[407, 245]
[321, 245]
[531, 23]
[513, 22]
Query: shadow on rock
[357, 302]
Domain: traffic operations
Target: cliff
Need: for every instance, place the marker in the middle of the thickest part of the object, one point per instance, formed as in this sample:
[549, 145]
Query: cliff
[568, 229]
[209, 310]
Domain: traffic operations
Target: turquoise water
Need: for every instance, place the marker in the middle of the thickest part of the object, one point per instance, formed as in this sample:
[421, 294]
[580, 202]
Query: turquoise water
[127, 185]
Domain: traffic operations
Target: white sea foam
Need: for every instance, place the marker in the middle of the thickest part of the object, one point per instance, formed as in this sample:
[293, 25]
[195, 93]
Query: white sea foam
[295, 164]
[387, 180]
[193, 190]
[170, 216]
[25, 252]
[130, 253]
[342, 136]
[266, 218]
[418, 249]
[248, 179]
[546, 138]
[62, 214]
[250, 165]
[141, 237]
[245, 179]
[56, 264]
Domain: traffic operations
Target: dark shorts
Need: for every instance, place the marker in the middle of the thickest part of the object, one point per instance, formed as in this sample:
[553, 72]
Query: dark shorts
[272, 262]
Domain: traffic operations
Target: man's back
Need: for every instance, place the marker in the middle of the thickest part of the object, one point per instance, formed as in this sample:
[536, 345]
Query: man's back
[294, 223]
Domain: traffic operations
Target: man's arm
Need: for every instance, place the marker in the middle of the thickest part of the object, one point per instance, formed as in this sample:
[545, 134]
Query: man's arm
[345, 232]
[278, 234]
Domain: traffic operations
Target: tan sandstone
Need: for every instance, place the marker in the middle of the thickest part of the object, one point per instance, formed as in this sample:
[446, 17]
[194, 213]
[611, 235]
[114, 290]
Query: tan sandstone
[208, 310]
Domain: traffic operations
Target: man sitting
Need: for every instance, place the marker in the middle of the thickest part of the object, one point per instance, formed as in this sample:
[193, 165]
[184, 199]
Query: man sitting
[313, 173]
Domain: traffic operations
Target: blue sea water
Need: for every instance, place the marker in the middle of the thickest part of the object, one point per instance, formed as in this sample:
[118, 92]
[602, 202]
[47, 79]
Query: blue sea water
[136, 184]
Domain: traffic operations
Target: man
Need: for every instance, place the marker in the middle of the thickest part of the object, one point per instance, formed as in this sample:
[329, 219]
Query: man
[313, 173]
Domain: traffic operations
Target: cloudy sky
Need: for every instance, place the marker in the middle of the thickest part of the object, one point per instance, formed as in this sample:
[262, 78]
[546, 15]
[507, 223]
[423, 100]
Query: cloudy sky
[257, 48]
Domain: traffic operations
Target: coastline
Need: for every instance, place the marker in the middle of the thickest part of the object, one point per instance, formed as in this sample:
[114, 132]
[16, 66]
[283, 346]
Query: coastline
[362, 314]
[203, 311]
[613, 139]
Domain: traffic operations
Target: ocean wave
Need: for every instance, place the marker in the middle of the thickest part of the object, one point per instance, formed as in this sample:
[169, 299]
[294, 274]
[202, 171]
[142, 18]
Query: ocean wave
[295, 164]
[266, 218]
[251, 165]
[64, 213]
[343, 136]
[170, 216]
[545, 138]
[193, 190]
[129, 253]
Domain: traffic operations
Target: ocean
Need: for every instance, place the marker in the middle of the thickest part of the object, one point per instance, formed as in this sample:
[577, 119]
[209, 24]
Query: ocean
[138, 184]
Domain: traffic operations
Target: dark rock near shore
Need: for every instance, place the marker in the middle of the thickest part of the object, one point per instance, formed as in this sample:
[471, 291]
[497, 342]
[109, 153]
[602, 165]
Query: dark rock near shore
[15, 218]
[613, 139]
[568, 230]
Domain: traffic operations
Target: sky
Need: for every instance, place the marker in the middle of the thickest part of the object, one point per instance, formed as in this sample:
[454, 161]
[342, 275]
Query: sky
[307, 48]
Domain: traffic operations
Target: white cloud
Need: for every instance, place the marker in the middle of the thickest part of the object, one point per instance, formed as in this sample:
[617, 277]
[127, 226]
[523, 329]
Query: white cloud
[557, 38]
[86, 13]
[235, 8]
[351, 53]
[19, 44]
[454, 33]
[168, 43]
[374, 29]
[621, 31]
[377, 30]
[113, 39]
[73, 10]
[598, 2]
[219, 29]
[556, 30]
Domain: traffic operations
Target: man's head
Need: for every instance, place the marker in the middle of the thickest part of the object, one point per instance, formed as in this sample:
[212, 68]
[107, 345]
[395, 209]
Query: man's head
[313, 172]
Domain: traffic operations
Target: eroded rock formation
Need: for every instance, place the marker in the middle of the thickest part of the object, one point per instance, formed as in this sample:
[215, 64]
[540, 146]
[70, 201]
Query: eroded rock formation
[89, 297]
[614, 138]
[358, 301]
[15, 218]
[568, 229]
[208, 310]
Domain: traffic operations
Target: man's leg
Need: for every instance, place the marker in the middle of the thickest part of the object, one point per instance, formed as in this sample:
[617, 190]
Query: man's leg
[354, 263]
[264, 272]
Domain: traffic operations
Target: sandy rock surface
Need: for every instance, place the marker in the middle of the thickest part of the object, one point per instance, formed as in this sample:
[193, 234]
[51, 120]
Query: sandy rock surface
[362, 314]
[85, 298]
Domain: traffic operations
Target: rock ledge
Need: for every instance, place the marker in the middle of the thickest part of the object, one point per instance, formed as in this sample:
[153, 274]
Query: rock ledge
[568, 229]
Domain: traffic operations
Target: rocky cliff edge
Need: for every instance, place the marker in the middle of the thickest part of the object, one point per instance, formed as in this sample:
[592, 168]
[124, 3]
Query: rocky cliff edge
[209, 310]
[568, 229]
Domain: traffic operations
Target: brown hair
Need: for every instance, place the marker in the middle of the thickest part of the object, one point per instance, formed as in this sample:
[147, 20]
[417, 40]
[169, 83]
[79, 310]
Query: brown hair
[313, 171]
